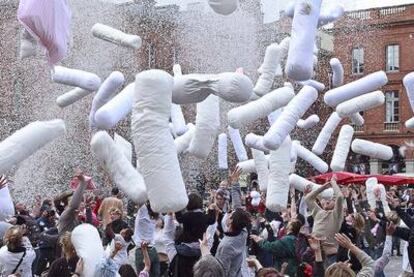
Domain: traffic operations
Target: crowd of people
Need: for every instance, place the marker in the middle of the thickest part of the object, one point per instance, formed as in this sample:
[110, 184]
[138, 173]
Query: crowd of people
[228, 234]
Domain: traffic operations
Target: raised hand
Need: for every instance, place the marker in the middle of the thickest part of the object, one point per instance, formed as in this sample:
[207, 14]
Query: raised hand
[235, 175]
[344, 241]
[3, 181]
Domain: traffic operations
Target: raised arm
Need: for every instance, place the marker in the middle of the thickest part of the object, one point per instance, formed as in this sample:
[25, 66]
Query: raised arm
[235, 189]
[310, 198]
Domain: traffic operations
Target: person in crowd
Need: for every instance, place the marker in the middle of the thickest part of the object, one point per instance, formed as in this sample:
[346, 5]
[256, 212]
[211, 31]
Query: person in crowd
[107, 205]
[66, 265]
[115, 226]
[17, 254]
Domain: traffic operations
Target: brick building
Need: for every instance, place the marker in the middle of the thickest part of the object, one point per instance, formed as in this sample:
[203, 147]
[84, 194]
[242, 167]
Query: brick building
[366, 41]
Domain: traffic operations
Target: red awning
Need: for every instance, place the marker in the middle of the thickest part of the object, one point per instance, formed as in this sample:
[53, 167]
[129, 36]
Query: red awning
[344, 178]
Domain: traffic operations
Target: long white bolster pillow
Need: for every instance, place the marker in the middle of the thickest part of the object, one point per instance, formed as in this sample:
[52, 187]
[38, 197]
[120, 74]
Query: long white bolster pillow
[268, 70]
[154, 144]
[300, 183]
[107, 116]
[26, 141]
[286, 122]
[326, 133]
[278, 186]
[361, 103]
[299, 66]
[309, 157]
[371, 184]
[342, 148]
[247, 113]
[177, 70]
[206, 128]
[408, 82]
[272, 117]
[76, 78]
[223, 7]
[7, 205]
[178, 120]
[262, 168]
[88, 245]
[122, 173]
[71, 97]
[359, 87]
[194, 88]
[337, 73]
[357, 119]
[105, 93]
[255, 142]
[383, 198]
[284, 49]
[372, 149]
[237, 142]
[124, 145]
[410, 123]
[313, 83]
[248, 166]
[222, 151]
[309, 122]
[183, 142]
[330, 14]
[115, 36]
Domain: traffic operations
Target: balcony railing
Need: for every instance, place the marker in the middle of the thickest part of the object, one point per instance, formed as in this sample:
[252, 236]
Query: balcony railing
[358, 129]
[392, 126]
[360, 15]
[391, 11]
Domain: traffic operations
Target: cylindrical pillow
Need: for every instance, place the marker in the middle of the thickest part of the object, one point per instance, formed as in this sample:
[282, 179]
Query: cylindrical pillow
[105, 93]
[315, 84]
[330, 14]
[248, 166]
[286, 122]
[206, 128]
[337, 73]
[300, 183]
[26, 141]
[255, 198]
[116, 109]
[122, 173]
[268, 69]
[116, 36]
[299, 64]
[88, 245]
[372, 149]
[278, 186]
[183, 142]
[7, 205]
[177, 70]
[371, 184]
[309, 157]
[222, 151]
[361, 103]
[233, 87]
[359, 87]
[71, 97]
[357, 119]
[342, 148]
[178, 120]
[238, 145]
[255, 142]
[262, 168]
[272, 117]
[154, 144]
[326, 133]
[408, 82]
[309, 122]
[223, 7]
[247, 113]
[410, 123]
[76, 78]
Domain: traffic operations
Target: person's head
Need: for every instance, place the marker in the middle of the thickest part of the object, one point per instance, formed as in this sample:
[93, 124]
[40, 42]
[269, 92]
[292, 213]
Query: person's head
[21, 209]
[67, 247]
[126, 270]
[238, 220]
[220, 198]
[340, 269]
[268, 272]
[115, 214]
[356, 220]
[194, 202]
[293, 227]
[393, 217]
[13, 237]
[127, 234]
[328, 204]
[114, 191]
[208, 266]
[285, 215]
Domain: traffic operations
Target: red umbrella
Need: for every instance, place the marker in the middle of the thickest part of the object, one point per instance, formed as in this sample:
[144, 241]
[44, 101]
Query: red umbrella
[344, 178]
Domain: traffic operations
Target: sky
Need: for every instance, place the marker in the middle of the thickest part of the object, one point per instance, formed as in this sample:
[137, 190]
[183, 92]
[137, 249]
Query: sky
[271, 7]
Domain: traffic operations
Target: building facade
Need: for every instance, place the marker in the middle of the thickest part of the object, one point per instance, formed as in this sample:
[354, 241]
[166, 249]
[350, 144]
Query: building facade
[366, 41]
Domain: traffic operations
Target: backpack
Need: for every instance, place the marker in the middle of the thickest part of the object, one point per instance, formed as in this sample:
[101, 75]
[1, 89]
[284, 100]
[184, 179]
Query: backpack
[303, 252]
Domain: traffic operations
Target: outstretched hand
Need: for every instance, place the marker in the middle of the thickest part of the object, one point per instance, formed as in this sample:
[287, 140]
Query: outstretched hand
[235, 175]
[344, 241]
[394, 202]
[3, 181]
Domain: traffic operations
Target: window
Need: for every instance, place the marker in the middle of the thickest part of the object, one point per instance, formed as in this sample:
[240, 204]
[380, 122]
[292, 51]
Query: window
[392, 107]
[358, 60]
[393, 57]
[151, 55]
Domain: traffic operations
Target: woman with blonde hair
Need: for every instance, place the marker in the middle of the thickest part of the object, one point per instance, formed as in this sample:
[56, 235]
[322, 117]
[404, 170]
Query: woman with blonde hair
[17, 254]
[66, 265]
